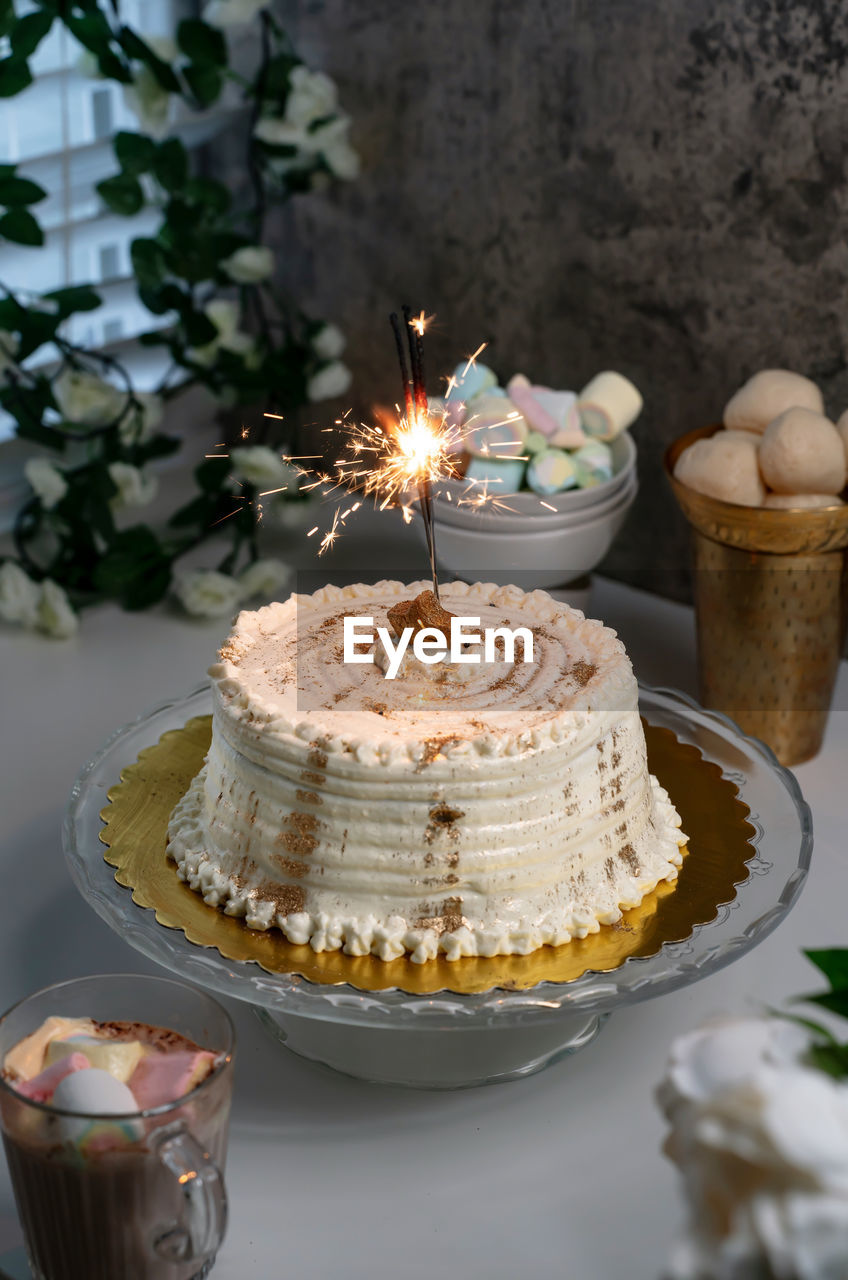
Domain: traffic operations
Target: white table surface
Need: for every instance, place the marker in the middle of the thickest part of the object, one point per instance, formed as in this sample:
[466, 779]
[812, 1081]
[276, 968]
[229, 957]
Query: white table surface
[557, 1175]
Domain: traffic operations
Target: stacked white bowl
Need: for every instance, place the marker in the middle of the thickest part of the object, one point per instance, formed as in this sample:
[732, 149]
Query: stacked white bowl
[515, 538]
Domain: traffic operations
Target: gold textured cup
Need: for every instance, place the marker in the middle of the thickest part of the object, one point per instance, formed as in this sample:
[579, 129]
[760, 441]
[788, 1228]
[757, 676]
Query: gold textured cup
[770, 606]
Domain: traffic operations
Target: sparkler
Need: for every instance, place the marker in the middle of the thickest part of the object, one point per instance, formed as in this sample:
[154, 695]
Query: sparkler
[419, 431]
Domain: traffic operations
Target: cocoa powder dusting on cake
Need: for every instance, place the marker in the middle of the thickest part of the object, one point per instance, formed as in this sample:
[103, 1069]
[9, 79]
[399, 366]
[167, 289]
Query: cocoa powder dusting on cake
[442, 818]
[308, 797]
[232, 651]
[313, 779]
[288, 899]
[291, 867]
[433, 748]
[298, 843]
[628, 854]
[445, 918]
[453, 858]
[609, 868]
[583, 672]
[317, 755]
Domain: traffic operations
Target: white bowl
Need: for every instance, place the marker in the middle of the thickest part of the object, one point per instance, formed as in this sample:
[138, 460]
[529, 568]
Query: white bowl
[546, 557]
[495, 519]
[571, 500]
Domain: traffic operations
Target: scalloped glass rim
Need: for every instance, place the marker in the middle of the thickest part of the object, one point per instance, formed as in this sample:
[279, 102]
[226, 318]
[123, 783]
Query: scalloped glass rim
[783, 842]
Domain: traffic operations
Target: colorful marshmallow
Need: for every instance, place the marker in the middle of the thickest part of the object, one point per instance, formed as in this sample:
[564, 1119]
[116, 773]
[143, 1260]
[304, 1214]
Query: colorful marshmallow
[494, 425]
[608, 405]
[551, 472]
[95, 1092]
[42, 1087]
[160, 1078]
[594, 464]
[468, 381]
[553, 413]
[119, 1057]
[502, 475]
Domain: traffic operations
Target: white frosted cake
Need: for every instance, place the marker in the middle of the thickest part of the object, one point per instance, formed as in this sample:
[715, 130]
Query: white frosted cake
[458, 810]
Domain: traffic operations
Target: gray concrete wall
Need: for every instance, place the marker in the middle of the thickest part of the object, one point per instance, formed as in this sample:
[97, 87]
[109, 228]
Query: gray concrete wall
[657, 188]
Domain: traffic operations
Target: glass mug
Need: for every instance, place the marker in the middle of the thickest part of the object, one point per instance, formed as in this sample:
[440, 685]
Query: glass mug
[153, 1209]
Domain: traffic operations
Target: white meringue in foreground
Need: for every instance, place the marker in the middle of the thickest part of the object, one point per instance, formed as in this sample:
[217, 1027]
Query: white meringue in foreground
[430, 815]
[761, 1140]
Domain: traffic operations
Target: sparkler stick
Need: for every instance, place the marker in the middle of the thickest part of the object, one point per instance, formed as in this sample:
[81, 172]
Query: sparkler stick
[415, 334]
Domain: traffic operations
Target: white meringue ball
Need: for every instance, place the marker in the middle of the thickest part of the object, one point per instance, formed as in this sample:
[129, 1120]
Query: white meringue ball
[802, 452]
[723, 466]
[842, 428]
[768, 394]
[789, 501]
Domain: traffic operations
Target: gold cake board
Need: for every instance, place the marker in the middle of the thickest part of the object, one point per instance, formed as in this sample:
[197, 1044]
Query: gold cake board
[713, 816]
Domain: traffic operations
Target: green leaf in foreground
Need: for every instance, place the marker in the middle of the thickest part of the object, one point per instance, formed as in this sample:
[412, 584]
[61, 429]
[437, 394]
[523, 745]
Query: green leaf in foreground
[833, 963]
[21, 227]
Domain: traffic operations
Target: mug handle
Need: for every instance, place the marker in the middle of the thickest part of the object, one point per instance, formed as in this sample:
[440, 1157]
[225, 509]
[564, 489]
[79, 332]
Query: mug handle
[197, 1233]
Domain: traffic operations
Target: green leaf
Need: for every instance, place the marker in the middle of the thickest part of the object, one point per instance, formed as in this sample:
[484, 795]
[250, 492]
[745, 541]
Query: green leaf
[29, 31]
[18, 191]
[35, 328]
[122, 194]
[27, 429]
[165, 298]
[133, 553]
[833, 963]
[7, 17]
[205, 82]
[14, 76]
[157, 447]
[80, 297]
[170, 165]
[199, 329]
[148, 588]
[202, 43]
[212, 474]
[832, 1058]
[112, 68]
[200, 511]
[148, 260]
[211, 195]
[835, 1001]
[135, 47]
[90, 28]
[134, 152]
[21, 227]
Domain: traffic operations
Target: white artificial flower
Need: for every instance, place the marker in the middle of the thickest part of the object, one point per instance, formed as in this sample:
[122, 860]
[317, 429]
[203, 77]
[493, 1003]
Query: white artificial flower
[329, 342]
[761, 1139]
[83, 397]
[258, 465]
[225, 317]
[139, 424]
[278, 132]
[229, 13]
[19, 595]
[250, 264]
[152, 105]
[55, 615]
[263, 578]
[47, 480]
[224, 314]
[312, 96]
[331, 381]
[205, 593]
[332, 143]
[8, 352]
[135, 487]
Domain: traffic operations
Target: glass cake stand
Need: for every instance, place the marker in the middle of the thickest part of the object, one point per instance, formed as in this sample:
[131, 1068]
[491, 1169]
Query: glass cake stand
[447, 1040]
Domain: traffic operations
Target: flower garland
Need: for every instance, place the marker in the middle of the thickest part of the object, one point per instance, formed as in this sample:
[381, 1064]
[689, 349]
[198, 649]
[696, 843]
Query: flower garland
[207, 279]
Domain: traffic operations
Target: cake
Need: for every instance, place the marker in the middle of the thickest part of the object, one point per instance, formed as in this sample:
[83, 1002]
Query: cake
[457, 809]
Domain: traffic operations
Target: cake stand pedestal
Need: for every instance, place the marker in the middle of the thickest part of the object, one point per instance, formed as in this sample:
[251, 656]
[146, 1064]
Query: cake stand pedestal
[446, 1040]
[453, 1057]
